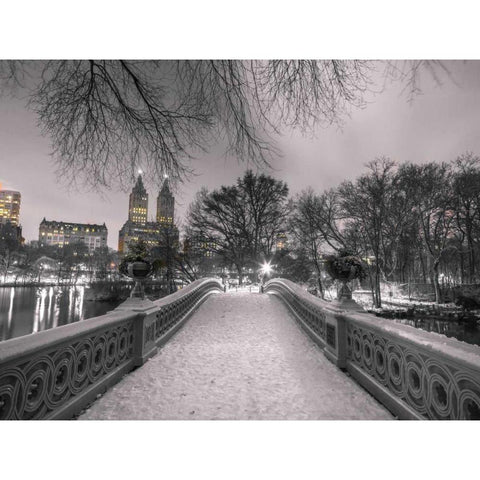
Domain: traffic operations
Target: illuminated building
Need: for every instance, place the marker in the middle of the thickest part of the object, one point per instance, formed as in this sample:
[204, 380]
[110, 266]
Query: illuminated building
[10, 216]
[149, 232]
[154, 234]
[138, 203]
[10, 207]
[165, 204]
[64, 233]
[198, 246]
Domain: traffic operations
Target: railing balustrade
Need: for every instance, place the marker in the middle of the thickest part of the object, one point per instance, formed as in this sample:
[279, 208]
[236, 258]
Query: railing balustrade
[415, 374]
[56, 373]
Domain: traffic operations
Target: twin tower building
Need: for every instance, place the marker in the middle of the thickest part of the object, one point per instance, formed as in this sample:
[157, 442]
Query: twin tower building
[137, 227]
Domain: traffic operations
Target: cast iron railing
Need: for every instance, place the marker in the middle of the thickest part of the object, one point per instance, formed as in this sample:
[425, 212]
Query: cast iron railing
[56, 373]
[415, 374]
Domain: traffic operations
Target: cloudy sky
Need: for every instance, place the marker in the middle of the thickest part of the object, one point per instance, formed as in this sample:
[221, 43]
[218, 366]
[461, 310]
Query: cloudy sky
[441, 123]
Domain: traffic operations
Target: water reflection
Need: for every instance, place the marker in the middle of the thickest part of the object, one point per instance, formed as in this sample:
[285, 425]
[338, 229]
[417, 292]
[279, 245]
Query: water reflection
[465, 331]
[10, 308]
[26, 310]
[49, 307]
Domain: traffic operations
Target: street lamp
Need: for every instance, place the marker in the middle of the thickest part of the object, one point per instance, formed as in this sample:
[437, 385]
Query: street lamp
[265, 270]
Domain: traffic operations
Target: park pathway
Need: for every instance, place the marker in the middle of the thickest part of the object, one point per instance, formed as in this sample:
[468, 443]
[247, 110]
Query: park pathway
[240, 357]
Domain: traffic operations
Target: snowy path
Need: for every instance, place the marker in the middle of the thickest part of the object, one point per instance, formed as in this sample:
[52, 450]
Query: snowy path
[240, 357]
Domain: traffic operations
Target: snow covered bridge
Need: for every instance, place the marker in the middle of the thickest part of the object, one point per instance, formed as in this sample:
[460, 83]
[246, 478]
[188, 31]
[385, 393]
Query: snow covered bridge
[283, 354]
[241, 356]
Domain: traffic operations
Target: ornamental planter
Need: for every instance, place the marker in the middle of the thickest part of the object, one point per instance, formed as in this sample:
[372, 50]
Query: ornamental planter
[139, 271]
[345, 268]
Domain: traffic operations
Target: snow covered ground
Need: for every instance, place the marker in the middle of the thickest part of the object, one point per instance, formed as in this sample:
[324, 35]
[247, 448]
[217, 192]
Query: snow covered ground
[240, 357]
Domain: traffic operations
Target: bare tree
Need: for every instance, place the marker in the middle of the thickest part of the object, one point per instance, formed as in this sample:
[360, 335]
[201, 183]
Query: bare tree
[166, 253]
[306, 228]
[197, 259]
[431, 188]
[466, 189]
[108, 117]
[241, 221]
[367, 203]
[219, 218]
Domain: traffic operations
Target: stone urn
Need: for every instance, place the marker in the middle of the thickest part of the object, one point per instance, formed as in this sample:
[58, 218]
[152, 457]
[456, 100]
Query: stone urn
[344, 292]
[139, 271]
[344, 268]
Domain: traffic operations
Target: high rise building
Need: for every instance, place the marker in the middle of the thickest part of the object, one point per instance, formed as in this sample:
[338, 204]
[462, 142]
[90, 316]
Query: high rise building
[64, 233]
[138, 203]
[148, 232]
[154, 234]
[10, 215]
[165, 204]
[10, 207]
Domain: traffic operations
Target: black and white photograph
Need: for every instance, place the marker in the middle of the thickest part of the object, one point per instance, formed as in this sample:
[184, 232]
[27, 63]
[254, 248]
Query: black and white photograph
[267, 245]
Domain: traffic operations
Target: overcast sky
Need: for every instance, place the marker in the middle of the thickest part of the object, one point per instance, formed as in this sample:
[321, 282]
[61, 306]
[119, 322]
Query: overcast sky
[439, 125]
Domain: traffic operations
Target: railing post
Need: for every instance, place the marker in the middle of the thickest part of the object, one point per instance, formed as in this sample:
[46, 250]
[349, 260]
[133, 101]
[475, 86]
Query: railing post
[341, 342]
[335, 339]
[145, 346]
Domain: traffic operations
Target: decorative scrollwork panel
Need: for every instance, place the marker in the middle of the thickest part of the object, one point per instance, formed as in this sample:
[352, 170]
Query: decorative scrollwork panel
[36, 387]
[430, 384]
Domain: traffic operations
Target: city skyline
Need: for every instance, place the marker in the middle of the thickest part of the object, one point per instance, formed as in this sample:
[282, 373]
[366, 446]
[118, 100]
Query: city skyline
[437, 126]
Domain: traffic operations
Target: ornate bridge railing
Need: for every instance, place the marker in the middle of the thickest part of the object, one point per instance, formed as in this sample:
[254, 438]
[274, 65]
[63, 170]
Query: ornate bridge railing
[415, 374]
[55, 373]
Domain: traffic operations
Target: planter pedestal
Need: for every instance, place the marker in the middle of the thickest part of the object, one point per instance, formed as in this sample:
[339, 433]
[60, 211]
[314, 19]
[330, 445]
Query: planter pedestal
[344, 298]
[139, 271]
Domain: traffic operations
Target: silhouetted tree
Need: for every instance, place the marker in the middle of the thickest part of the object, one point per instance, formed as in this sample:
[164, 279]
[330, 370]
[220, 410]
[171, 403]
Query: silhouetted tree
[241, 221]
[104, 117]
[9, 246]
[430, 187]
[308, 231]
[466, 190]
[367, 205]
[165, 254]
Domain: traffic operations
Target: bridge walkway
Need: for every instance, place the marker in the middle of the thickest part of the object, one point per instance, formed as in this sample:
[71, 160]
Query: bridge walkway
[240, 357]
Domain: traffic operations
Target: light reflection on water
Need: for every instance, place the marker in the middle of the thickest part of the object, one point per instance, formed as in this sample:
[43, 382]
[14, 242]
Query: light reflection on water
[26, 310]
[10, 308]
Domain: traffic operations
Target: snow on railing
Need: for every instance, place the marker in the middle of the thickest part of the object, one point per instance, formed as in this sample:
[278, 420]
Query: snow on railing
[416, 374]
[56, 373]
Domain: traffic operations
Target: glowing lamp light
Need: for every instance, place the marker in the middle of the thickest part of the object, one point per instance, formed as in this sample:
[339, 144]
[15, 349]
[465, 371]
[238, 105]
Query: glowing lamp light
[266, 268]
[140, 171]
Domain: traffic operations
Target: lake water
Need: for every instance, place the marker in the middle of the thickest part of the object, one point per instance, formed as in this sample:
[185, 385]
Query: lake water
[462, 331]
[26, 310]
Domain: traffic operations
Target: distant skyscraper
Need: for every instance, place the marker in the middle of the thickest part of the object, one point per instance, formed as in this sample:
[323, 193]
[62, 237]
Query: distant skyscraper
[138, 204]
[136, 228]
[165, 204]
[10, 207]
